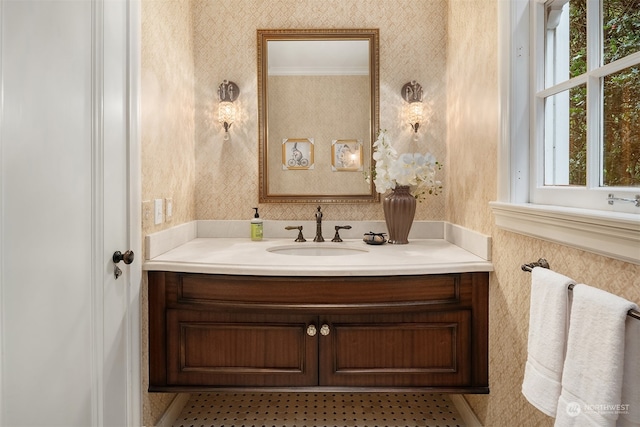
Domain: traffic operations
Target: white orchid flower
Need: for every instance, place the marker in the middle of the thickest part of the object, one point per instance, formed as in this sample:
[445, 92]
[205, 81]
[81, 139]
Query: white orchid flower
[416, 170]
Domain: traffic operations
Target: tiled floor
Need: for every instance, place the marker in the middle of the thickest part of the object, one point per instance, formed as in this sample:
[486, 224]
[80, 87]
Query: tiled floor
[315, 409]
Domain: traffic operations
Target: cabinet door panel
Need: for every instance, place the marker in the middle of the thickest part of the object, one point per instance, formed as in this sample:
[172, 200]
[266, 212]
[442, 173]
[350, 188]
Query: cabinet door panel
[222, 349]
[425, 350]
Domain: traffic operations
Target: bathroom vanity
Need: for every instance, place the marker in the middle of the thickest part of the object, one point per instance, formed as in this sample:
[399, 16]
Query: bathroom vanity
[391, 317]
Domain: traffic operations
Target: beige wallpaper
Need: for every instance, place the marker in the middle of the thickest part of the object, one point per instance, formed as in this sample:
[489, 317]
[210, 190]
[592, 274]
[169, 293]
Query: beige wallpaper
[412, 47]
[472, 128]
[167, 129]
[167, 111]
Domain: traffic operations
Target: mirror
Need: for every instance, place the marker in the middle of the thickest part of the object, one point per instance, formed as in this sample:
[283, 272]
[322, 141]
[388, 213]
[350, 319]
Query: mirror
[318, 94]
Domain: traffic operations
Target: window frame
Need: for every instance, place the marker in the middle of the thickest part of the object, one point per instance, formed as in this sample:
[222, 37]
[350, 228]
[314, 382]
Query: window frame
[609, 230]
[592, 194]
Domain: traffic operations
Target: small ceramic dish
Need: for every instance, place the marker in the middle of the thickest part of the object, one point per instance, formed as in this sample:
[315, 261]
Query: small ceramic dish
[372, 238]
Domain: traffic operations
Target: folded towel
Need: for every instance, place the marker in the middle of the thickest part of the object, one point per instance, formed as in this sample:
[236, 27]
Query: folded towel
[548, 322]
[631, 381]
[593, 369]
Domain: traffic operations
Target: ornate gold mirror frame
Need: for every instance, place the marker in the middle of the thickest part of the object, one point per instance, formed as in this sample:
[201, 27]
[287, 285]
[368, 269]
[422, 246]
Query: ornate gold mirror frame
[308, 154]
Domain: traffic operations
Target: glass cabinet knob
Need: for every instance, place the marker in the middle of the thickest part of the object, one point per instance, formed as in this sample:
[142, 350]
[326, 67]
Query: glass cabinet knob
[311, 330]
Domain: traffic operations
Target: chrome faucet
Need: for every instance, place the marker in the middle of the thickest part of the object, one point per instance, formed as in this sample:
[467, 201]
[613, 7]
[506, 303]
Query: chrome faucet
[318, 237]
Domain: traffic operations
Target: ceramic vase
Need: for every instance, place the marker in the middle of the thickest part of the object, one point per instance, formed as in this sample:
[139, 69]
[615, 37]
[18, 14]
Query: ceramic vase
[399, 209]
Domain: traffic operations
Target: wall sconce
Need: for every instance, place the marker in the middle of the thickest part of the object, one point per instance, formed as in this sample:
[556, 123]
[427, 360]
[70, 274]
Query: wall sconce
[412, 93]
[227, 92]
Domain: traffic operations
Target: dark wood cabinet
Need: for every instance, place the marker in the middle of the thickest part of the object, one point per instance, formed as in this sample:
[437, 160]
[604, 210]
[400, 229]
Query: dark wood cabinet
[408, 350]
[226, 349]
[392, 332]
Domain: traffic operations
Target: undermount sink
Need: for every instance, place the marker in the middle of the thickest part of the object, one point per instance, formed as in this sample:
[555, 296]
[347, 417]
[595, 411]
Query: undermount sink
[317, 250]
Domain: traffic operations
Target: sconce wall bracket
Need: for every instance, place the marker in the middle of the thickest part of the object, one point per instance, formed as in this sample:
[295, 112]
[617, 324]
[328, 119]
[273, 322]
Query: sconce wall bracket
[412, 92]
[228, 91]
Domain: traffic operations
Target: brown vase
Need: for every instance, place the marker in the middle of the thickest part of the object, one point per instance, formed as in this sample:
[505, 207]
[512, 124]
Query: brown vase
[399, 210]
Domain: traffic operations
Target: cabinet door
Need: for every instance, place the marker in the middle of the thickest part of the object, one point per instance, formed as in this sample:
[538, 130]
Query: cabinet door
[428, 349]
[234, 349]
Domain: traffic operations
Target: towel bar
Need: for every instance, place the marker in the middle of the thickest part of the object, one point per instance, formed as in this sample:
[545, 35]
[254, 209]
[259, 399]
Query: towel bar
[544, 264]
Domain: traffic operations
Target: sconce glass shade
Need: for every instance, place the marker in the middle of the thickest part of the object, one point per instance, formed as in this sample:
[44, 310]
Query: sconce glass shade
[226, 113]
[226, 116]
[416, 112]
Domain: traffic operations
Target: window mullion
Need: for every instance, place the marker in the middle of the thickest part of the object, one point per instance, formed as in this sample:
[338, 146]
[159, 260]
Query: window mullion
[594, 94]
[562, 86]
[594, 31]
[617, 65]
[594, 132]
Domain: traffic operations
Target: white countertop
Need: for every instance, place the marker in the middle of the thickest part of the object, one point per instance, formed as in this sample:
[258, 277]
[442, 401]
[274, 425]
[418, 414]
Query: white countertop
[241, 256]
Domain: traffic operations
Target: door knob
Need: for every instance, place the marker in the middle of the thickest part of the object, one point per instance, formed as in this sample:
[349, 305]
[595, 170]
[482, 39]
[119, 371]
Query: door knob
[325, 330]
[127, 257]
[311, 330]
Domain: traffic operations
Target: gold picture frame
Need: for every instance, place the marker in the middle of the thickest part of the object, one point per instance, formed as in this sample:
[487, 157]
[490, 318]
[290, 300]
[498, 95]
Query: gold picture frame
[297, 153]
[347, 155]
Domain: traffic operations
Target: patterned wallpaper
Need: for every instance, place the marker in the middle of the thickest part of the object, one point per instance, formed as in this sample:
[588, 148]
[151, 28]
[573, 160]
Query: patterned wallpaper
[190, 46]
[167, 112]
[412, 47]
[167, 128]
[472, 129]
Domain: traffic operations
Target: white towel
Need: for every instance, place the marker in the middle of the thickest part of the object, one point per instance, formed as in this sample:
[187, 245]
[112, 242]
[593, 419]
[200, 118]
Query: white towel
[548, 322]
[631, 381]
[594, 366]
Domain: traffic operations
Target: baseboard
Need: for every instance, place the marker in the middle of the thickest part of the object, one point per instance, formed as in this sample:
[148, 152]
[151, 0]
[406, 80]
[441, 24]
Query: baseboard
[173, 411]
[468, 417]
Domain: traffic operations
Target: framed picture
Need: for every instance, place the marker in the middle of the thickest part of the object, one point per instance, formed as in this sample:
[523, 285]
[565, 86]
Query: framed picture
[297, 153]
[346, 155]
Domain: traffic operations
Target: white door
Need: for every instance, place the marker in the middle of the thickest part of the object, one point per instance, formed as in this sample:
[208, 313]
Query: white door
[69, 331]
[120, 388]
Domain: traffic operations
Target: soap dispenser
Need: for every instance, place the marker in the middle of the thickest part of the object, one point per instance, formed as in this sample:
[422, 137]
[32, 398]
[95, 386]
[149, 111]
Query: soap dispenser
[256, 226]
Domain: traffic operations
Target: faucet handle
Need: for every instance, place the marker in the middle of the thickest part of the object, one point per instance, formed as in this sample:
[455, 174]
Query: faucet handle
[300, 237]
[337, 238]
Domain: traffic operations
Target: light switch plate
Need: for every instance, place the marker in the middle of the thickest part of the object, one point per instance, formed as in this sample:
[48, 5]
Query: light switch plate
[147, 212]
[158, 211]
[168, 208]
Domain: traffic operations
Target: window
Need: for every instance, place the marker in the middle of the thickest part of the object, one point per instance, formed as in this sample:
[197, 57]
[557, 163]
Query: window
[569, 78]
[586, 102]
